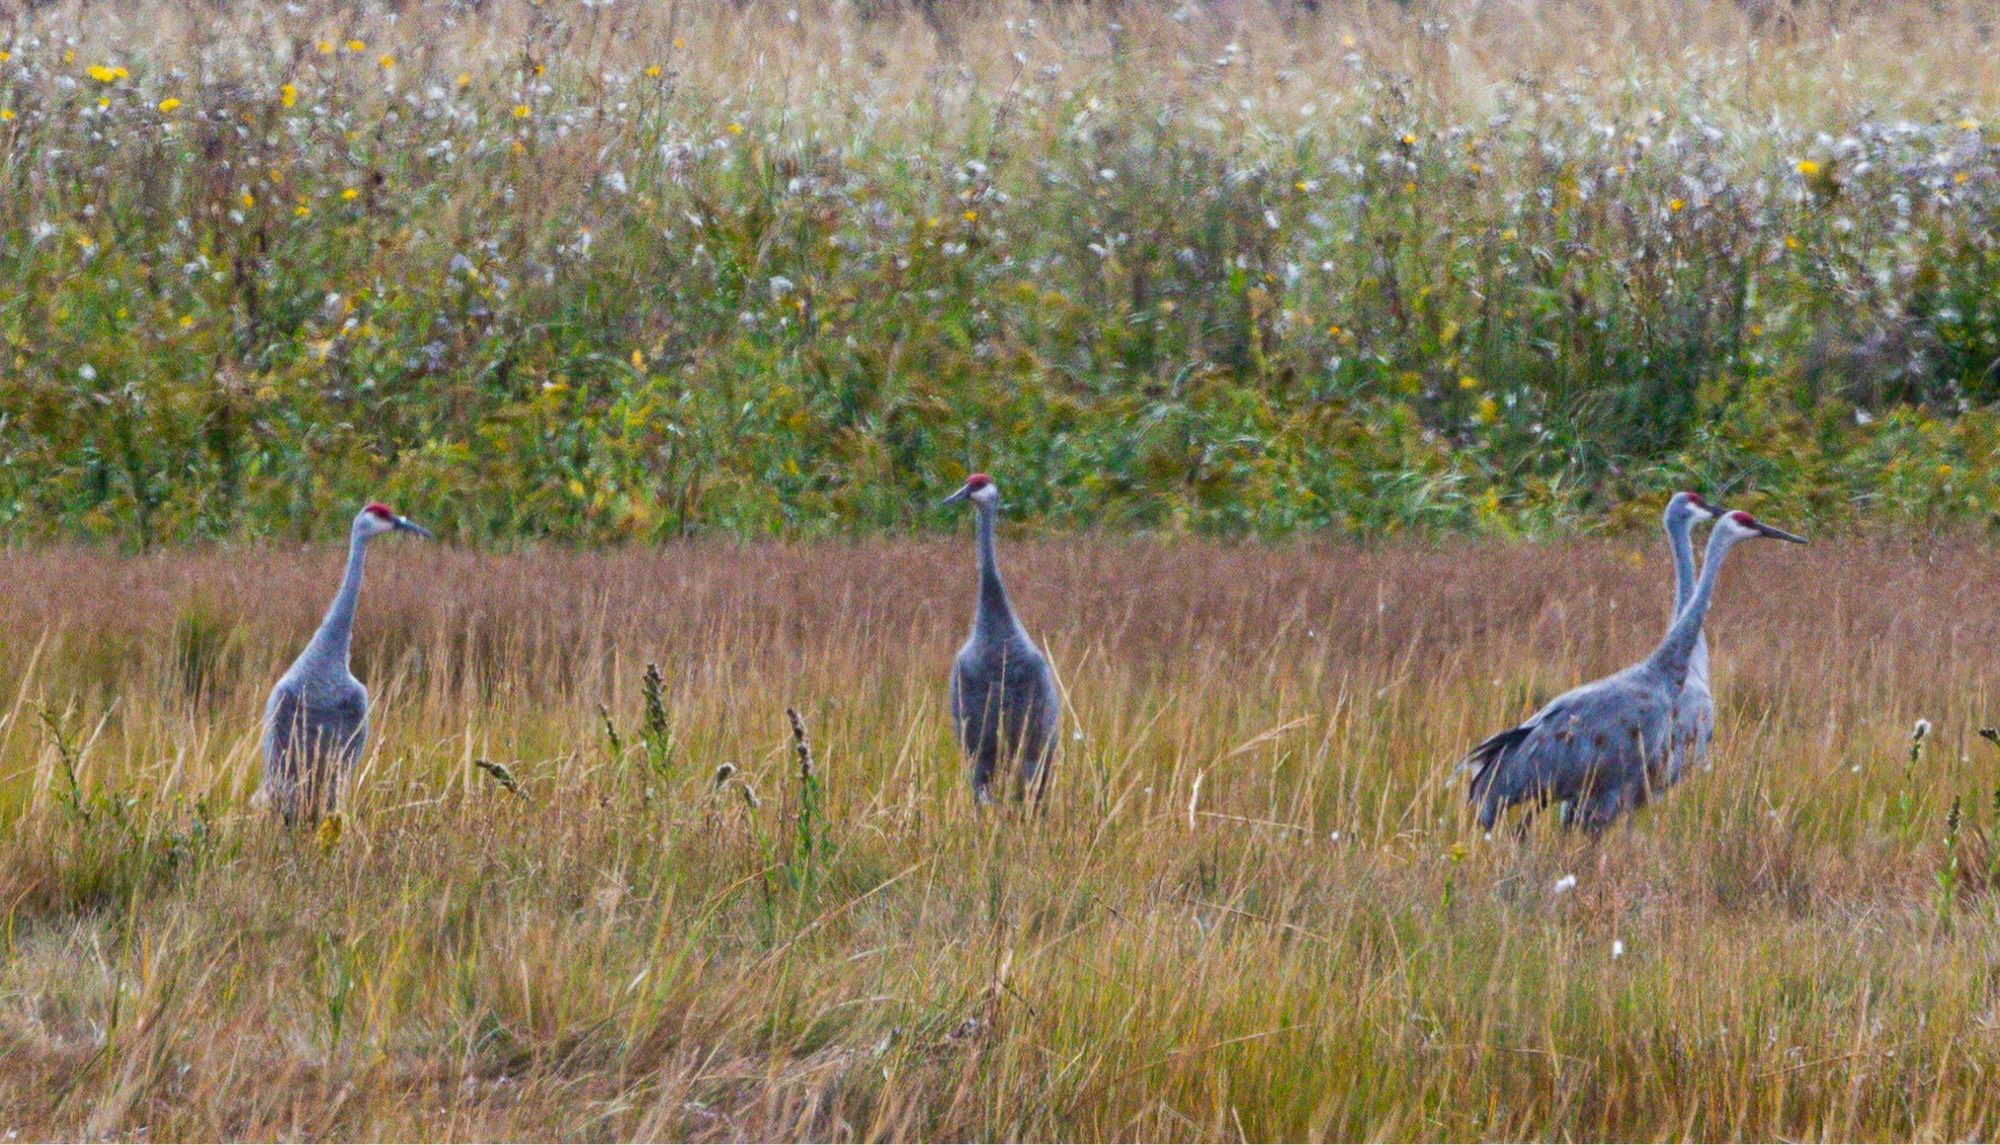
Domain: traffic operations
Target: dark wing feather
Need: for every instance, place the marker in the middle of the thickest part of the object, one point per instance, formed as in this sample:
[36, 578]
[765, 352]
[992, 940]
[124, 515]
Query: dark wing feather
[1486, 760]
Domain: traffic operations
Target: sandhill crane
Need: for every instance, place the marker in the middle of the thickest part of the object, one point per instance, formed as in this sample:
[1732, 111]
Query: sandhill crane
[1602, 747]
[316, 721]
[1004, 704]
[1694, 715]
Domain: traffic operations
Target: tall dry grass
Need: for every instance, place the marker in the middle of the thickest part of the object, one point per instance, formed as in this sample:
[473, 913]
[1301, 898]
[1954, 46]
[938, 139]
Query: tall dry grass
[1254, 907]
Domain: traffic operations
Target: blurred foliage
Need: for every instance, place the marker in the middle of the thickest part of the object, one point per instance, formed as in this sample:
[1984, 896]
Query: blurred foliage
[600, 304]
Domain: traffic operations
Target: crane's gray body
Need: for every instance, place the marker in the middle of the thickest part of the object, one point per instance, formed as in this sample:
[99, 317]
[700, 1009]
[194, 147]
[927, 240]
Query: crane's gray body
[1599, 748]
[1004, 704]
[315, 729]
[1605, 747]
[316, 721]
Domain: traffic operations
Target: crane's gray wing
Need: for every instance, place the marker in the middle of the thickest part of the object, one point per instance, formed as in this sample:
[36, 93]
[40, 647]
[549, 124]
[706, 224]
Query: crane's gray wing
[958, 695]
[1596, 745]
[283, 723]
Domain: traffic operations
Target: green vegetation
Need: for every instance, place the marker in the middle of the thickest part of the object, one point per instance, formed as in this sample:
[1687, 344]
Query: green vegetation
[603, 274]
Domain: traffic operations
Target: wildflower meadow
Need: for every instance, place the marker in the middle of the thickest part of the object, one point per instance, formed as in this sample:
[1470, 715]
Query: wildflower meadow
[610, 272]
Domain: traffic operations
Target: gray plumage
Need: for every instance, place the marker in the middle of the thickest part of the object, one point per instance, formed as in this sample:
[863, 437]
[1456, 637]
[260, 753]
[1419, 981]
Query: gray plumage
[316, 721]
[1694, 720]
[1004, 705]
[1604, 747]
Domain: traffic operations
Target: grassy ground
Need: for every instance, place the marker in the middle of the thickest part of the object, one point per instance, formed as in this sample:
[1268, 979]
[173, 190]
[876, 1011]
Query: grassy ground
[650, 271]
[1254, 908]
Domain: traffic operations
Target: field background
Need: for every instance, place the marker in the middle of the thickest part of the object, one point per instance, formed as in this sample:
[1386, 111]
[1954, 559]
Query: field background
[1334, 365]
[1255, 906]
[644, 271]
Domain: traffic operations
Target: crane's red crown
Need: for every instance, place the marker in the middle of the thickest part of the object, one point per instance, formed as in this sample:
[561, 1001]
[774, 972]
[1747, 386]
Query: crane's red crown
[978, 481]
[1695, 498]
[1742, 518]
[378, 509]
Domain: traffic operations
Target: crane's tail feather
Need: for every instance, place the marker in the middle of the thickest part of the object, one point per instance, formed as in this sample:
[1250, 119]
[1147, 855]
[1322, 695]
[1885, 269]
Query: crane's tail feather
[1484, 761]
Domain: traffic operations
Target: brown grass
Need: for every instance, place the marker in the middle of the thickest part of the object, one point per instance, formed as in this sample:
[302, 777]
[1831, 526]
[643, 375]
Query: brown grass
[1822, 63]
[1181, 948]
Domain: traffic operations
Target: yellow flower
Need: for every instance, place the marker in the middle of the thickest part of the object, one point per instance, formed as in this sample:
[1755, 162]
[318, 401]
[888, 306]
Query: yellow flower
[325, 47]
[521, 111]
[169, 103]
[735, 129]
[349, 195]
[1489, 410]
[1963, 124]
[972, 216]
[1959, 177]
[1792, 242]
[1347, 41]
[539, 69]
[187, 321]
[69, 56]
[1944, 471]
[6, 115]
[5, 56]
[248, 200]
[103, 74]
[465, 79]
[1468, 383]
[85, 241]
[386, 62]
[301, 211]
[103, 101]
[1410, 188]
[653, 72]
[638, 359]
[1409, 140]
[1675, 205]
[518, 147]
[288, 95]
[680, 43]
[356, 46]
[1808, 168]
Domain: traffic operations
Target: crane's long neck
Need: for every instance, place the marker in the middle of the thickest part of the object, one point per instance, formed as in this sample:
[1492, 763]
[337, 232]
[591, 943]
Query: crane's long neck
[1677, 647]
[329, 645]
[1683, 549]
[996, 614]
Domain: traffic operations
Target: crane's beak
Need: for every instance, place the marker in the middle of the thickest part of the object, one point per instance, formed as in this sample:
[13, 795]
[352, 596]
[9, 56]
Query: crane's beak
[1778, 534]
[964, 491]
[404, 524]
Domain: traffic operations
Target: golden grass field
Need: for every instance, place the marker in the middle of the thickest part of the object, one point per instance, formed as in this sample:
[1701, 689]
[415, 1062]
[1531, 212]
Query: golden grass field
[1255, 907]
